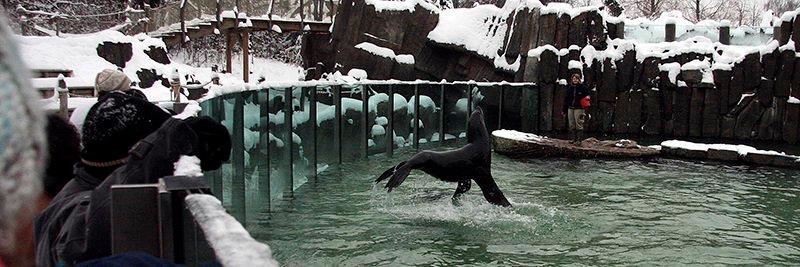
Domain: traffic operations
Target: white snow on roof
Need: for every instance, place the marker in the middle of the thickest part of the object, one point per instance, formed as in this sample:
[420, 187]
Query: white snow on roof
[404, 5]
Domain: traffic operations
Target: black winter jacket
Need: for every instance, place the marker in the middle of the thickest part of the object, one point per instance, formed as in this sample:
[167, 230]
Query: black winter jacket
[574, 95]
[80, 229]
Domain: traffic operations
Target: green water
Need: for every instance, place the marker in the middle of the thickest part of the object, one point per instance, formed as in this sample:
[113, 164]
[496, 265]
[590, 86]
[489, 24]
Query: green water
[580, 212]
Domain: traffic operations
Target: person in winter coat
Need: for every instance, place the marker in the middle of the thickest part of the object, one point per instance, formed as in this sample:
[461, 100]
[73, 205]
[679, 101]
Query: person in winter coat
[78, 227]
[573, 108]
[23, 150]
[113, 125]
[64, 148]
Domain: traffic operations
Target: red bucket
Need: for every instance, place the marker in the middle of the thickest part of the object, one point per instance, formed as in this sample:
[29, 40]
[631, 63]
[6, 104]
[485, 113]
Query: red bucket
[586, 102]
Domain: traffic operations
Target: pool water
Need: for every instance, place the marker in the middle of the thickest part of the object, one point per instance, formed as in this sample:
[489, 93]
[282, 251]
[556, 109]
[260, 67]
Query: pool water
[584, 212]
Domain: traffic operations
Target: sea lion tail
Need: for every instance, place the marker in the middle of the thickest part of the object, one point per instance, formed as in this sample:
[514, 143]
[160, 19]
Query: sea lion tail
[388, 172]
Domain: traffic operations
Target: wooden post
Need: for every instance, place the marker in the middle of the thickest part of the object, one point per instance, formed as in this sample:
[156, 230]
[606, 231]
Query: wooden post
[182, 15]
[725, 34]
[669, 32]
[146, 26]
[63, 98]
[219, 15]
[302, 16]
[245, 35]
[229, 40]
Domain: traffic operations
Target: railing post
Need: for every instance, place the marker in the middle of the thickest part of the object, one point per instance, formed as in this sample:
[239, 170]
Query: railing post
[312, 114]
[288, 191]
[245, 41]
[441, 115]
[364, 120]
[469, 107]
[416, 116]
[337, 122]
[63, 98]
[237, 142]
[264, 175]
[500, 107]
[390, 125]
[669, 32]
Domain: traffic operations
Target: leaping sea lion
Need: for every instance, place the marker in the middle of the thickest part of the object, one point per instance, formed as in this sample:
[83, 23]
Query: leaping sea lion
[470, 162]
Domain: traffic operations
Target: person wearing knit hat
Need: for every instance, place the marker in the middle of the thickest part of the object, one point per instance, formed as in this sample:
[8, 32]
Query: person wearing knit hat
[112, 127]
[23, 150]
[110, 80]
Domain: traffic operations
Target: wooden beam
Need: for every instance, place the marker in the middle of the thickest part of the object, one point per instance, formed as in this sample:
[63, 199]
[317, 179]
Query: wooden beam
[245, 35]
[229, 39]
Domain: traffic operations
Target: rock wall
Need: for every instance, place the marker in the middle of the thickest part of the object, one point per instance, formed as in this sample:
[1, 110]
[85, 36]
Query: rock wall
[693, 88]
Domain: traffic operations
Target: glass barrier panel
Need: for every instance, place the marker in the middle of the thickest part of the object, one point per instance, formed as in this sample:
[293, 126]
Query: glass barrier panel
[429, 113]
[303, 136]
[455, 112]
[378, 121]
[403, 115]
[351, 125]
[487, 97]
[327, 148]
[279, 144]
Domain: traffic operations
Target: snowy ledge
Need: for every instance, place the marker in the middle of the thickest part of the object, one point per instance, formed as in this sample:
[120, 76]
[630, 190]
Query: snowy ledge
[741, 149]
[519, 136]
[231, 243]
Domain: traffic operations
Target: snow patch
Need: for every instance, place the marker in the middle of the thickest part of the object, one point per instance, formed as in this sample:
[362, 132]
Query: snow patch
[188, 166]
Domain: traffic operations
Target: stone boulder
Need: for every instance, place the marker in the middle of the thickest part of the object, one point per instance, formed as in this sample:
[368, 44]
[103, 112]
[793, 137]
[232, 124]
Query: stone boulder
[116, 53]
[157, 54]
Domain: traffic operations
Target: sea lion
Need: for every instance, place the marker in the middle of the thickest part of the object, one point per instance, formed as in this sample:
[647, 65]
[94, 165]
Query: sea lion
[470, 162]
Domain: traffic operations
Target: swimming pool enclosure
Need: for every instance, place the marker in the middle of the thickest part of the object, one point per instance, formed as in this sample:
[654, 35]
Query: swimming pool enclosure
[335, 123]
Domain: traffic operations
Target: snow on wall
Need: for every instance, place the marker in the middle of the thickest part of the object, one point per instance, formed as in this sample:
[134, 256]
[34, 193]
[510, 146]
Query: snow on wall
[385, 52]
[231, 243]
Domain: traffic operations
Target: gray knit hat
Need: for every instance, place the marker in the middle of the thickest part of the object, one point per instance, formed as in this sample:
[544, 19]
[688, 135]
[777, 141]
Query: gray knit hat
[110, 80]
[22, 141]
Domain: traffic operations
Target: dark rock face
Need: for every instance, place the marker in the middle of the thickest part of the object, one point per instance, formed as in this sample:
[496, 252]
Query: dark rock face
[790, 123]
[785, 71]
[546, 107]
[711, 113]
[562, 31]
[157, 54]
[116, 53]
[148, 77]
[559, 118]
[747, 121]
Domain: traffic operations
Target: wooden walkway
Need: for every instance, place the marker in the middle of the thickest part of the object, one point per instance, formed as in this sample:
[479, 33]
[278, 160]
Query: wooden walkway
[207, 25]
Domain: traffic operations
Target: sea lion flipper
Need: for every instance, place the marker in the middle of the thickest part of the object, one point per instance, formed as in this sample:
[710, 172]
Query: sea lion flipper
[463, 187]
[491, 192]
[388, 172]
[398, 177]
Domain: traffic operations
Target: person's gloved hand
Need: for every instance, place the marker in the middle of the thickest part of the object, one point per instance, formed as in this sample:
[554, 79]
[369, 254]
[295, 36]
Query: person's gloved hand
[214, 142]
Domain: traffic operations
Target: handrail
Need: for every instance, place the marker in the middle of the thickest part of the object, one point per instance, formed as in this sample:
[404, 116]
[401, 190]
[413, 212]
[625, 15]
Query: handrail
[231, 243]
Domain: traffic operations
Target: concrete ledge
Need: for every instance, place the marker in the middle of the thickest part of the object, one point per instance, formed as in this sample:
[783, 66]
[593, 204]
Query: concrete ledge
[722, 155]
